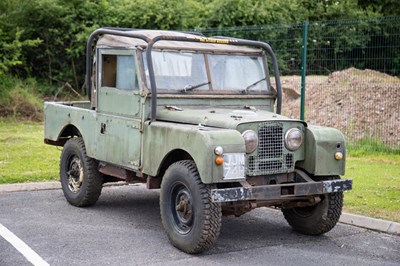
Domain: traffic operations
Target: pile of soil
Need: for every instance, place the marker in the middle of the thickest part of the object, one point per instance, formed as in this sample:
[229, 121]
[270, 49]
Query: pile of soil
[361, 103]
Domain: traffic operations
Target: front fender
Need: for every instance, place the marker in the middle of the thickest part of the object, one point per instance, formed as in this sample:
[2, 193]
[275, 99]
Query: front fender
[321, 144]
[160, 138]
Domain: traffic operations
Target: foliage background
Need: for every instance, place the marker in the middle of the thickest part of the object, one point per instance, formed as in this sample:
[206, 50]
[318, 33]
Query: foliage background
[45, 39]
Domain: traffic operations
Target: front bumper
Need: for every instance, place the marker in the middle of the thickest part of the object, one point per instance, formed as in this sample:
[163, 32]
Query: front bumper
[281, 191]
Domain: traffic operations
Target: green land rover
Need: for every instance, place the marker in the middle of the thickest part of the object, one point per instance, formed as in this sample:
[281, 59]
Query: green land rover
[199, 119]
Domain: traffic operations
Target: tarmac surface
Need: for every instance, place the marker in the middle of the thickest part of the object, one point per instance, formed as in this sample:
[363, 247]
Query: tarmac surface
[346, 218]
[124, 228]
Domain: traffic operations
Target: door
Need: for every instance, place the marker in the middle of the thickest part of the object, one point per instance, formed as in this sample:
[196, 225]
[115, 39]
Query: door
[118, 108]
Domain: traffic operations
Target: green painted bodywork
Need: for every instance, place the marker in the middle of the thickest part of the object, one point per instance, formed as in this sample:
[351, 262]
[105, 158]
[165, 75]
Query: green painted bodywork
[120, 144]
[119, 113]
[116, 129]
[142, 146]
[118, 102]
[58, 116]
[162, 138]
[321, 145]
[221, 116]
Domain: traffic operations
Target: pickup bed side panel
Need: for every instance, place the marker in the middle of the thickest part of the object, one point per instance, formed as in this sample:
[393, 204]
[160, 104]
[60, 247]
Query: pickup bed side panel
[161, 138]
[58, 116]
[321, 144]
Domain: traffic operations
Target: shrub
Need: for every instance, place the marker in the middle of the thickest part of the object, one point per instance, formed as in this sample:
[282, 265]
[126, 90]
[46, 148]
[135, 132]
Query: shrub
[19, 98]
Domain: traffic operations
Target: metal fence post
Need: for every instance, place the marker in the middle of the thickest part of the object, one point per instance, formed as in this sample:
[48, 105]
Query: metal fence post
[303, 69]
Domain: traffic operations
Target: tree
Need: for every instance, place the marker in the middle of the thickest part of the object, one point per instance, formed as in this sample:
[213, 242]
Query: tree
[228, 13]
[46, 38]
[383, 7]
[11, 49]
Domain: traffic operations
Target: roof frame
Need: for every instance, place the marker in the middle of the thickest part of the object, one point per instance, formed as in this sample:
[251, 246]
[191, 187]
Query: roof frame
[189, 38]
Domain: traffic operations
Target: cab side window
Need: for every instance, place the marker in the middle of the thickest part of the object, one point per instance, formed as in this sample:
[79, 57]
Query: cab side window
[119, 71]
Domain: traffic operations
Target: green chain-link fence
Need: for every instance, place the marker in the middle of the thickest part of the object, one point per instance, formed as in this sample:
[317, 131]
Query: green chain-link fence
[351, 70]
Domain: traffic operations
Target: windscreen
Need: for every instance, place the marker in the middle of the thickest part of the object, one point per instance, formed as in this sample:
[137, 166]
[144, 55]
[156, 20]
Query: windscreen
[189, 71]
[174, 71]
[237, 72]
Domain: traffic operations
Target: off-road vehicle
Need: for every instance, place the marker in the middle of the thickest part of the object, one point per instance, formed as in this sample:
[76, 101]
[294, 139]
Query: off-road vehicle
[198, 118]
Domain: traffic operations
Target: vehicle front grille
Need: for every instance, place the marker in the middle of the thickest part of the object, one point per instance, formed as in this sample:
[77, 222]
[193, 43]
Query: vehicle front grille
[272, 156]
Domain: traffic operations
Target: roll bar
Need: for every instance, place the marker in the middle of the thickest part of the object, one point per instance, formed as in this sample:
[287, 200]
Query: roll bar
[196, 38]
[94, 35]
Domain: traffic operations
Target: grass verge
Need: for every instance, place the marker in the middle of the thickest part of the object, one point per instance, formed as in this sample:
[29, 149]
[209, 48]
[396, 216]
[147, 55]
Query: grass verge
[376, 186]
[23, 155]
[376, 175]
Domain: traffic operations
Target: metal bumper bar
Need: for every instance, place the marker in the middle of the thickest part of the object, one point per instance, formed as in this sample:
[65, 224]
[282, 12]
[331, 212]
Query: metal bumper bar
[282, 191]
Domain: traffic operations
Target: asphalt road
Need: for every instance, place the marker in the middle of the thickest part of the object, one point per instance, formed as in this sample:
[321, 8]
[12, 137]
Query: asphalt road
[124, 228]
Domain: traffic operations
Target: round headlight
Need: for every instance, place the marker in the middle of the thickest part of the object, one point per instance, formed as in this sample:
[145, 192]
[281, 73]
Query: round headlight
[293, 139]
[251, 140]
[219, 150]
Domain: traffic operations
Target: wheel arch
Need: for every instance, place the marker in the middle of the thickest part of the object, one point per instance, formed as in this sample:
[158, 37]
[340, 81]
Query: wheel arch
[172, 157]
[70, 130]
[163, 139]
[67, 132]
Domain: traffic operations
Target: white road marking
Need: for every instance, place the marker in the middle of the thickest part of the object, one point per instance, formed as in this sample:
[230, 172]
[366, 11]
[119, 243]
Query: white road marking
[23, 248]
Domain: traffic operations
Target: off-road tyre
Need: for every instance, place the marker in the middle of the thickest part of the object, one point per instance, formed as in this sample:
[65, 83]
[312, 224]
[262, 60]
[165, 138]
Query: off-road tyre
[81, 182]
[318, 219]
[196, 228]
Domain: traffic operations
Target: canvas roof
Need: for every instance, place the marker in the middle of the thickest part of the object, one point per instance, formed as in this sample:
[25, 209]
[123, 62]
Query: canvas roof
[121, 41]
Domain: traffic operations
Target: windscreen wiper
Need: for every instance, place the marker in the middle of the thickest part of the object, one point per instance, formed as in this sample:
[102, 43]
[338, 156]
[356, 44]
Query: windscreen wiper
[192, 87]
[246, 90]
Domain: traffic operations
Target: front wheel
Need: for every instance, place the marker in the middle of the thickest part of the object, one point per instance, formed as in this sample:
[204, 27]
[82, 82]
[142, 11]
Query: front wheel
[317, 219]
[80, 180]
[191, 220]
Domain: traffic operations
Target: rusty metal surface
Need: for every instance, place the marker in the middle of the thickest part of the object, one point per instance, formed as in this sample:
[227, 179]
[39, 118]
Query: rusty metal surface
[238, 208]
[337, 185]
[282, 191]
[120, 173]
[153, 182]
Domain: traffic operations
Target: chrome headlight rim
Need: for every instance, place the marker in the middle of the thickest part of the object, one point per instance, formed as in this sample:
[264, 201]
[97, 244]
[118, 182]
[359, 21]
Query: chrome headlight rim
[293, 139]
[251, 140]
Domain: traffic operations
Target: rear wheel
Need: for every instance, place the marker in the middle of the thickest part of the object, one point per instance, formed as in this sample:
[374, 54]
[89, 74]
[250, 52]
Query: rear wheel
[191, 220]
[317, 219]
[80, 180]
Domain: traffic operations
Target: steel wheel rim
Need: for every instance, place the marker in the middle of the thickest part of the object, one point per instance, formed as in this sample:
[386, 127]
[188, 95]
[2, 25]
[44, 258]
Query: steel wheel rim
[181, 208]
[75, 174]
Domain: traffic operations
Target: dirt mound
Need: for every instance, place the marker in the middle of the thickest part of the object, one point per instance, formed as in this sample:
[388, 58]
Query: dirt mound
[361, 103]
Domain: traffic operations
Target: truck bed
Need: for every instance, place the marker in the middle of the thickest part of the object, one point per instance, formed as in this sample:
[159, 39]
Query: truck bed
[63, 118]
[77, 104]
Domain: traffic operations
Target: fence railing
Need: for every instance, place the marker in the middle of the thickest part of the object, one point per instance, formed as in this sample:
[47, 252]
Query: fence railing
[351, 70]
